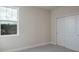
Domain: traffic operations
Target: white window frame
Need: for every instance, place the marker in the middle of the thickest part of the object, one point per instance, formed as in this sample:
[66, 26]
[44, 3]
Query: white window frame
[17, 24]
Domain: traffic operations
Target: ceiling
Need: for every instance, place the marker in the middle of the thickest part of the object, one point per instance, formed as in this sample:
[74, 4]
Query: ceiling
[49, 7]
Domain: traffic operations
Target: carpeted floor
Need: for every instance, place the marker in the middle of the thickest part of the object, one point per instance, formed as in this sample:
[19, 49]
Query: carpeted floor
[48, 48]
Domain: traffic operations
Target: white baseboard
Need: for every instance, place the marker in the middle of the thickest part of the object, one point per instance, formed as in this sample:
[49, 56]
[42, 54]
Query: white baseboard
[23, 48]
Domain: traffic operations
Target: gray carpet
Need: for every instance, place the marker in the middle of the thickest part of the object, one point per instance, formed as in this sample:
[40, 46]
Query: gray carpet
[48, 48]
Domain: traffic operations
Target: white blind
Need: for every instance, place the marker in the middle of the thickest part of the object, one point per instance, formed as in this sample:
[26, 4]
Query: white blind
[8, 14]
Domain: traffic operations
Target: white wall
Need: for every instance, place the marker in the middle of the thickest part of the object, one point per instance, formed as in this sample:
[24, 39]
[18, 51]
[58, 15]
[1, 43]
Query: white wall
[60, 12]
[34, 29]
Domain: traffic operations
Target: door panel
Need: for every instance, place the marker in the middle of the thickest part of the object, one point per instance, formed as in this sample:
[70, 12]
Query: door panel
[68, 32]
[60, 31]
[75, 42]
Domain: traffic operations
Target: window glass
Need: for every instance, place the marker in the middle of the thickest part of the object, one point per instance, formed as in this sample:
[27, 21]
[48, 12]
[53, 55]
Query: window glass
[8, 20]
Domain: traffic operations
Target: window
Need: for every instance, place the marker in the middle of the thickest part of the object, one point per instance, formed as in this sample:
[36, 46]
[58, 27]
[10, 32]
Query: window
[8, 21]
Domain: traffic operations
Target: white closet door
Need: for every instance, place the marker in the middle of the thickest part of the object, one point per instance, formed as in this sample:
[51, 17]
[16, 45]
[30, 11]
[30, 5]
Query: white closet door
[75, 42]
[60, 31]
[68, 32]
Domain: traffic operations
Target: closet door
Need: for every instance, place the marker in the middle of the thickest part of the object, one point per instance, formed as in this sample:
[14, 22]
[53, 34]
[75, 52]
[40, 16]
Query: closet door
[74, 44]
[60, 31]
[68, 32]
